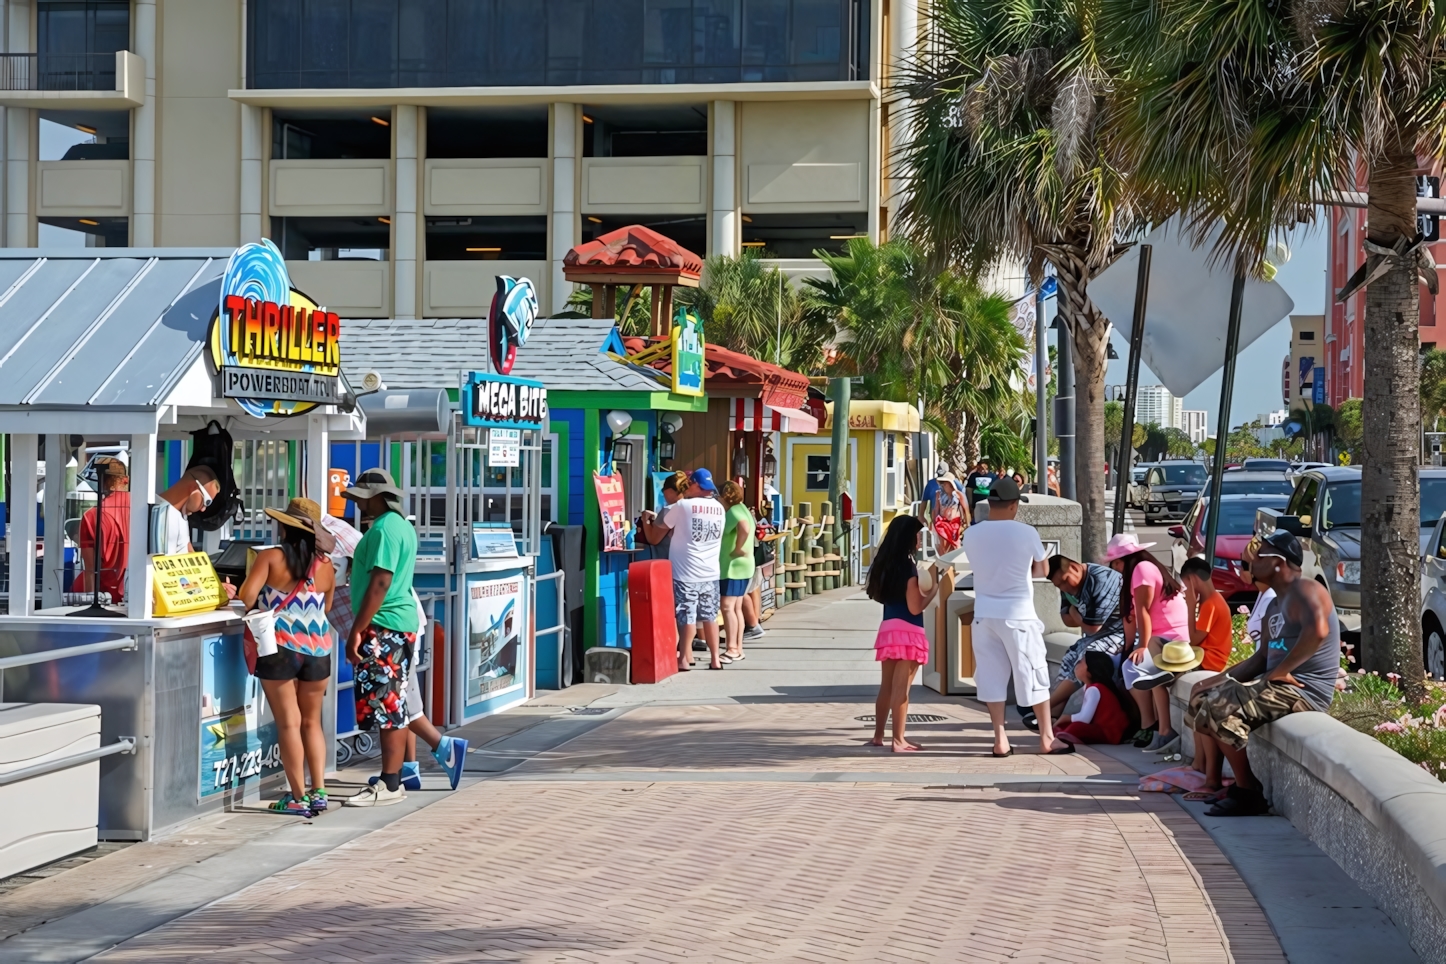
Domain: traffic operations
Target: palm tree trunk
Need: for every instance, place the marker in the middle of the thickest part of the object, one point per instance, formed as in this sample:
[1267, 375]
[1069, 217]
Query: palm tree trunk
[1089, 329]
[957, 454]
[1391, 423]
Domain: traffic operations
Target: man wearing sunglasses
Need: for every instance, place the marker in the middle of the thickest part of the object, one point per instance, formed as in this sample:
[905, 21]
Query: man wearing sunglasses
[193, 492]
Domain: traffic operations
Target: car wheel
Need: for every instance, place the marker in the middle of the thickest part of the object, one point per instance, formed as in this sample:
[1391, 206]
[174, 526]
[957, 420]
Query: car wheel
[1434, 651]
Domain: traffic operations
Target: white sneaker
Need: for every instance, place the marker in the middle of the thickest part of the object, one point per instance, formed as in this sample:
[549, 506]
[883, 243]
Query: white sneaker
[377, 795]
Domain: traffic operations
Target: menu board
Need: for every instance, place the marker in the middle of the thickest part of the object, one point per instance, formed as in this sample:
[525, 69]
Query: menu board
[185, 583]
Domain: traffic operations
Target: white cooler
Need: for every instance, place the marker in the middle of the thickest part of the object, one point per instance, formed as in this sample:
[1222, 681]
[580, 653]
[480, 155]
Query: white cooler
[54, 815]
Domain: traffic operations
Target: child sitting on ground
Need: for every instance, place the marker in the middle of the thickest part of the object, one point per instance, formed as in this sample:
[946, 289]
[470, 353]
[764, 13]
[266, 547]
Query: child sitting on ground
[1102, 717]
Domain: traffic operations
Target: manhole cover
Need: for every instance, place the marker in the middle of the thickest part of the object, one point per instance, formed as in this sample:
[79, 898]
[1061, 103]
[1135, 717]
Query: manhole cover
[911, 718]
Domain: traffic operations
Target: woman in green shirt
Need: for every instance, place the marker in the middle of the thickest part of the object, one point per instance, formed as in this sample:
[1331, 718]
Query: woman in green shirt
[735, 565]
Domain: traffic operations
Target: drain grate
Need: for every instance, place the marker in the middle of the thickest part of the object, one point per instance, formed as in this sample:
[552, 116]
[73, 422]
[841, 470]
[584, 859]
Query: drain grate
[587, 710]
[910, 718]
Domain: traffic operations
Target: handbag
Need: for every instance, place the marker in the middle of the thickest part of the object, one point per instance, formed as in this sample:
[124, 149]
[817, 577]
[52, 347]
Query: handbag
[251, 645]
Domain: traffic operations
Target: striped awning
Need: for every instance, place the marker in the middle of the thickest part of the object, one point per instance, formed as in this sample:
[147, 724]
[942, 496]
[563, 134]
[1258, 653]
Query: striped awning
[751, 414]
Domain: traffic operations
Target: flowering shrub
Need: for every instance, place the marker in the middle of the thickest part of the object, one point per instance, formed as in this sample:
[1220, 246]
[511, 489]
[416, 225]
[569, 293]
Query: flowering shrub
[1376, 705]
[1243, 646]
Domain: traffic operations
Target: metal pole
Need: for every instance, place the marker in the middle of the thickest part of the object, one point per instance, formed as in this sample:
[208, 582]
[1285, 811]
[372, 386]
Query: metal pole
[838, 465]
[1064, 401]
[1222, 422]
[1041, 386]
[1132, 382]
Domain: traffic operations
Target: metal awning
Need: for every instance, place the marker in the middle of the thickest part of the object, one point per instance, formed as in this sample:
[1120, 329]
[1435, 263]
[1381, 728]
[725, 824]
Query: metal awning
[750, 414]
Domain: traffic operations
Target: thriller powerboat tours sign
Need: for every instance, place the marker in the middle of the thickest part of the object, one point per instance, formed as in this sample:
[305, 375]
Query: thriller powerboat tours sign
[276, 351]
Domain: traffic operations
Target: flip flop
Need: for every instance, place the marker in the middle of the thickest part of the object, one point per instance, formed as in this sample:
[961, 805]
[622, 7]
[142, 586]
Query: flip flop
[908, 749]
[715, 667]
[1062, 749]
[1204, 796]
[996, 754]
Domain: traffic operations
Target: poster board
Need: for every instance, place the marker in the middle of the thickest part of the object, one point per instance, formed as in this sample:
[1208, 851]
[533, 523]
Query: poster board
[185, 583]
[612, 506]
[495, 668]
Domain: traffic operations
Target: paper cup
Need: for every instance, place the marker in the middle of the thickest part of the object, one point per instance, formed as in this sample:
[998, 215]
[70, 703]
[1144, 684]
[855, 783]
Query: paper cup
[263, 629]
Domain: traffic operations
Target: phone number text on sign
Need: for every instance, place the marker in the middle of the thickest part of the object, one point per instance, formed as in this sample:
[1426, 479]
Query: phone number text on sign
[254, 763]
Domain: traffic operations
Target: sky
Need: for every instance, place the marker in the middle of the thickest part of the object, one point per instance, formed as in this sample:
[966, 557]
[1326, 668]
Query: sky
[1257, 370]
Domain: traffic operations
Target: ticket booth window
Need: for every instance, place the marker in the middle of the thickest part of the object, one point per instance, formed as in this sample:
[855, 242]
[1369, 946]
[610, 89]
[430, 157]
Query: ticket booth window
[817, 473]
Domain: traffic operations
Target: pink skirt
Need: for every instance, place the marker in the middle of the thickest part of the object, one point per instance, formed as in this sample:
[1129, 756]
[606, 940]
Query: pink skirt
[901, 639]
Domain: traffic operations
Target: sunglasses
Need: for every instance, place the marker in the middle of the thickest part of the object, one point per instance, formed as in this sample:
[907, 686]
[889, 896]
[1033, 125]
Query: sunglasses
[206, 499]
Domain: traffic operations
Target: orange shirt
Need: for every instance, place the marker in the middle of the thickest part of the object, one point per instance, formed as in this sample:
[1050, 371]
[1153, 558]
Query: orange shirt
[1214, 621]
[115, 535]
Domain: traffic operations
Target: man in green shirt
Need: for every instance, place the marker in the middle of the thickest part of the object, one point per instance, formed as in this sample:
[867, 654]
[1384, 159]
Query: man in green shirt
[383, 638]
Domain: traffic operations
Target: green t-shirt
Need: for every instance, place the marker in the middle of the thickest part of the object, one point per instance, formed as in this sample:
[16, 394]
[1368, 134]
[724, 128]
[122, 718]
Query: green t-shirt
[731, 566]
[390, 544]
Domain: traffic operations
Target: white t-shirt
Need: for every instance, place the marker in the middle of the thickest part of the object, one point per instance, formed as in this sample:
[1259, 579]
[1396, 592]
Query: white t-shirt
[170, 535]
[1252, 625]
[1001, 554]
[697, 526]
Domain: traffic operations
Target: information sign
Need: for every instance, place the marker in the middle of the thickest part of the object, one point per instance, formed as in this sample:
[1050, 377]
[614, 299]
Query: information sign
[185, 584]
[504, 447]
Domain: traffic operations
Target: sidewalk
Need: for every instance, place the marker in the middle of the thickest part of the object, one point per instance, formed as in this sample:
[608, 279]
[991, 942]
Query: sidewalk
[730, 816]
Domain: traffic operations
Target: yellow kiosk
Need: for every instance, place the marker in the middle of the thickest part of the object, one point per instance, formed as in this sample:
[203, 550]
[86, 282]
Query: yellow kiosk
[878, 452]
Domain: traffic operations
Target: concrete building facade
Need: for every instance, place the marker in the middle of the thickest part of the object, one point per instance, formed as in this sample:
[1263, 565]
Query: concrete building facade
[389, 147]
[1195, 424]
[1155, 405]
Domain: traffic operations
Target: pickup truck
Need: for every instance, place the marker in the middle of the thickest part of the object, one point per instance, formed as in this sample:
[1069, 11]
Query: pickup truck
[1324, 512]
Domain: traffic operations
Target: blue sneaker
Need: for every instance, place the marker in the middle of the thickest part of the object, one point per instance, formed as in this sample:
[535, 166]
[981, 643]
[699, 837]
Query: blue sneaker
[411, 777]
[451, 756]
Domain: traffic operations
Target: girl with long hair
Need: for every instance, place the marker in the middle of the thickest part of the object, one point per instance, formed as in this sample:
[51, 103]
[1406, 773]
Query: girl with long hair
[1101, 717]
[295, 579]
[1153, 610]
[735, 564]
[901, 645]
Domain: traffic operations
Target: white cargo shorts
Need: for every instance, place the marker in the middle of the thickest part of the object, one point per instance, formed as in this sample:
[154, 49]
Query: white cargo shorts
[1005, 647]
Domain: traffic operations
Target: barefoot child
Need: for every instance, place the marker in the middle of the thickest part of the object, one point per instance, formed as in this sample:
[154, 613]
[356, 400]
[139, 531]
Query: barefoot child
[901, 645]
[1102, 717]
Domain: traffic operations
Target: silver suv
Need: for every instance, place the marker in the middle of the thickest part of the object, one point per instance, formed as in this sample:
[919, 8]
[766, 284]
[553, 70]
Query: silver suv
[1171, 490]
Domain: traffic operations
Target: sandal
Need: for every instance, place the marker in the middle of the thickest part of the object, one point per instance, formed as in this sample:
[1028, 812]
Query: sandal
[1060, 750]
[711, 666]
[1240, 803]
[1205, 796]
[997, 755]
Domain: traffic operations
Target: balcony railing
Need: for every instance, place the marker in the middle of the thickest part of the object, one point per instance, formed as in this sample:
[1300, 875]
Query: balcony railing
[57, 71]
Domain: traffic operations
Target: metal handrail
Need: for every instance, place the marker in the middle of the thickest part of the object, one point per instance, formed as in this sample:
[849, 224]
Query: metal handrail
[561, 576]
[58, 71]
[125, 744]
[29, 659]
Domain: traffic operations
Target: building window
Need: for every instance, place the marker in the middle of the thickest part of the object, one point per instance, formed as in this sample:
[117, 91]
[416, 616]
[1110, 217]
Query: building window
[464, 238]
[1307, 336]
[80, 136]
[816, 472]
[332, 239]
[691, 231]
[76, 43]
[83, 232]
[364, 135]
[488, 132]
[653, 131]
[460, 43]
[800, 235]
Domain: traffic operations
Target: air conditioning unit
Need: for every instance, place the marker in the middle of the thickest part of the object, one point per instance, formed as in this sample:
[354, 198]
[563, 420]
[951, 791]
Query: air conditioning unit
[606, 664]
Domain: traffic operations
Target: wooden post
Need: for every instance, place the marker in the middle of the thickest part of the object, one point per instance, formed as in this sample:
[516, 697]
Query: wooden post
[610, 301]
[598, 311]
[655, 311]
[667, 309]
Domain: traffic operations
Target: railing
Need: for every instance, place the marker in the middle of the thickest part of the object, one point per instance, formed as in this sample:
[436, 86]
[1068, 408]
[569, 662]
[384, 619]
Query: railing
[57, 71]
[560, 628]
[123, 744]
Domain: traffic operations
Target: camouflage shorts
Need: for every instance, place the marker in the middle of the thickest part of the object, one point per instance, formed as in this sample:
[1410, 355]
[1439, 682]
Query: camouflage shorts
[1230, 710]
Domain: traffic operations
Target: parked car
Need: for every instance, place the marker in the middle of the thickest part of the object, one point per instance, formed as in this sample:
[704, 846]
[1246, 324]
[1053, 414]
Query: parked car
[1252, 482]
[1135, 494]
[1171, 488]
[1325, 513]
[1433, 602]
[1265, 465]
[1237, 525]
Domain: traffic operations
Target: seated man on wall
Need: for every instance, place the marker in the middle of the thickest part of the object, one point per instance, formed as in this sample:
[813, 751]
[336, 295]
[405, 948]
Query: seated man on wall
[1089, 600]
[1294, 671]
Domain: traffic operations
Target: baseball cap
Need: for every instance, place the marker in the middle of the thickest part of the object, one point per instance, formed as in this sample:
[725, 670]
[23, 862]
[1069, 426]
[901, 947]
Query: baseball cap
[704, 480]
[1006, 489]
[1282, 544]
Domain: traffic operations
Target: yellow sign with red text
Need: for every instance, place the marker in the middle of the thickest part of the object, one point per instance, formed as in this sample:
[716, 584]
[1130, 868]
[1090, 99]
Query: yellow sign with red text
[185, 584]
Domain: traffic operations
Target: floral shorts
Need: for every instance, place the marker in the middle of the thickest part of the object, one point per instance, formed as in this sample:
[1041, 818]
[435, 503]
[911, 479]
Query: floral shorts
[695, 602]
[381, 679]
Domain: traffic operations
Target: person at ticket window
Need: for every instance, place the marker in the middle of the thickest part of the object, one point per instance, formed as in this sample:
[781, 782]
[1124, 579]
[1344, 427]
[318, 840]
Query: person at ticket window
[170, 532]
[115, 529]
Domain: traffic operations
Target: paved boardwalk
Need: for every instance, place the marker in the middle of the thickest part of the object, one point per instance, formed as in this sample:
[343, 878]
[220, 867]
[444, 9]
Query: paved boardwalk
[737, 816]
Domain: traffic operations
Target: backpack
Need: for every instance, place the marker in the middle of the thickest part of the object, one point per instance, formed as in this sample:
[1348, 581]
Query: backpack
[213, 448]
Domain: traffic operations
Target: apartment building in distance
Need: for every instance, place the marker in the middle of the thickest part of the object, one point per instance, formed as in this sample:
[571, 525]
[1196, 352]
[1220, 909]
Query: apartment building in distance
[1195, 423]
[1303, 373]
[1154, 404]
[402, 153]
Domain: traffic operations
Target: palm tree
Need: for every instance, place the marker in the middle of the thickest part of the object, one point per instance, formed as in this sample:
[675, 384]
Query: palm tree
[1249, 114]
[1005, 163]
[1433, 387]
[915, 331]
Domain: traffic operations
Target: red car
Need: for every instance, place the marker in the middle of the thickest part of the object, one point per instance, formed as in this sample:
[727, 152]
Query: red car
[1237, 525]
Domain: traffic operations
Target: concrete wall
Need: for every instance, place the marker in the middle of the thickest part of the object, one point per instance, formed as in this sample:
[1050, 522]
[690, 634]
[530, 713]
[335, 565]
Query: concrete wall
[801, 157]
[486, 186]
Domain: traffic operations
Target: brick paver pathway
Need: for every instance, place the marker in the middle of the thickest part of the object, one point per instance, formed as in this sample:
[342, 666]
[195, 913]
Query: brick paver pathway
[656, 837]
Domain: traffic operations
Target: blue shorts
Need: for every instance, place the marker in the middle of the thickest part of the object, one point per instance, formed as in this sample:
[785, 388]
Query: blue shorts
[733, 587]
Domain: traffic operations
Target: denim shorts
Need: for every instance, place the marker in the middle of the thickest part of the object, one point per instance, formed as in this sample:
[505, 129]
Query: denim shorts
[732, 587]
[695, 602]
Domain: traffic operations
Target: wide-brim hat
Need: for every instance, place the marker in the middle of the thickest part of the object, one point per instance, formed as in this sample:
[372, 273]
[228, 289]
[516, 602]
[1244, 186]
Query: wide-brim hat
[947, 476]
[1178, 656]
[1122, 544]
[372, 483]
[305, 514]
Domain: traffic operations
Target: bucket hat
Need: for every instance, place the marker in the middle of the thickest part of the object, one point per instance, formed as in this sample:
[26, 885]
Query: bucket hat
[305, 514]
[1178, 656]
[374, 482]
[1122, 544]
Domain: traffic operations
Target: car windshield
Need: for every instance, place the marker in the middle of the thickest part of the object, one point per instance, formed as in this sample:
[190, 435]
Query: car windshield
[1267, 465]
[1184, 474]
[1340, 505]
[1138, 475]
[1229, 486]
[1238, 519]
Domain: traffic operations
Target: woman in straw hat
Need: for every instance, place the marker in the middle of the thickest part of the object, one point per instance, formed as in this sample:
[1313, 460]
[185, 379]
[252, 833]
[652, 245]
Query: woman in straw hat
[948, 514]
[295, 579]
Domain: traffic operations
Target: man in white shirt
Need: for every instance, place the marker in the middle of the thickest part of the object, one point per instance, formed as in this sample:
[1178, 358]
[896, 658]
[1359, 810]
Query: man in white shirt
[194, 491]
[1006, 556]
[696, 522]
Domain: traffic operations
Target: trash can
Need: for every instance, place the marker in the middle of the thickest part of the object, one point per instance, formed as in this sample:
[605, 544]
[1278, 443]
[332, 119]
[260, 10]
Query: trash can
[650, 607]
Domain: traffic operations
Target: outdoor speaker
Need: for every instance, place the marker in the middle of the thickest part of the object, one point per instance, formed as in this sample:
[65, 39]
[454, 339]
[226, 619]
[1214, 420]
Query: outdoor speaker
[606, 664]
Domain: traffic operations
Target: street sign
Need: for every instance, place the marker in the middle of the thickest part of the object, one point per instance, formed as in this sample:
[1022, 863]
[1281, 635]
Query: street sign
[504, 447]
[1318, 389]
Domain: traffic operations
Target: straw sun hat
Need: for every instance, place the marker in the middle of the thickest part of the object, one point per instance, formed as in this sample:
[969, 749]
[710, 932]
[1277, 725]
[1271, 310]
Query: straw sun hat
[305, 514]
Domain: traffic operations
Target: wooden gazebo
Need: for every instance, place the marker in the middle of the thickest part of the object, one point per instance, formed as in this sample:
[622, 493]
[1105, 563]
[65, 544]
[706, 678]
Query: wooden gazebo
[633, 257]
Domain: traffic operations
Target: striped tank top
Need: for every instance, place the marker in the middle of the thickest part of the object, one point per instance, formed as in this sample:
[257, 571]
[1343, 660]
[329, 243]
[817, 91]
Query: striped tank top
[301, 625]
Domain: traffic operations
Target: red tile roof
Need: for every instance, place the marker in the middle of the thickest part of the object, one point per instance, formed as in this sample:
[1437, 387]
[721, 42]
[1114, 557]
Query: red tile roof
[777, 387]
[632, 250]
